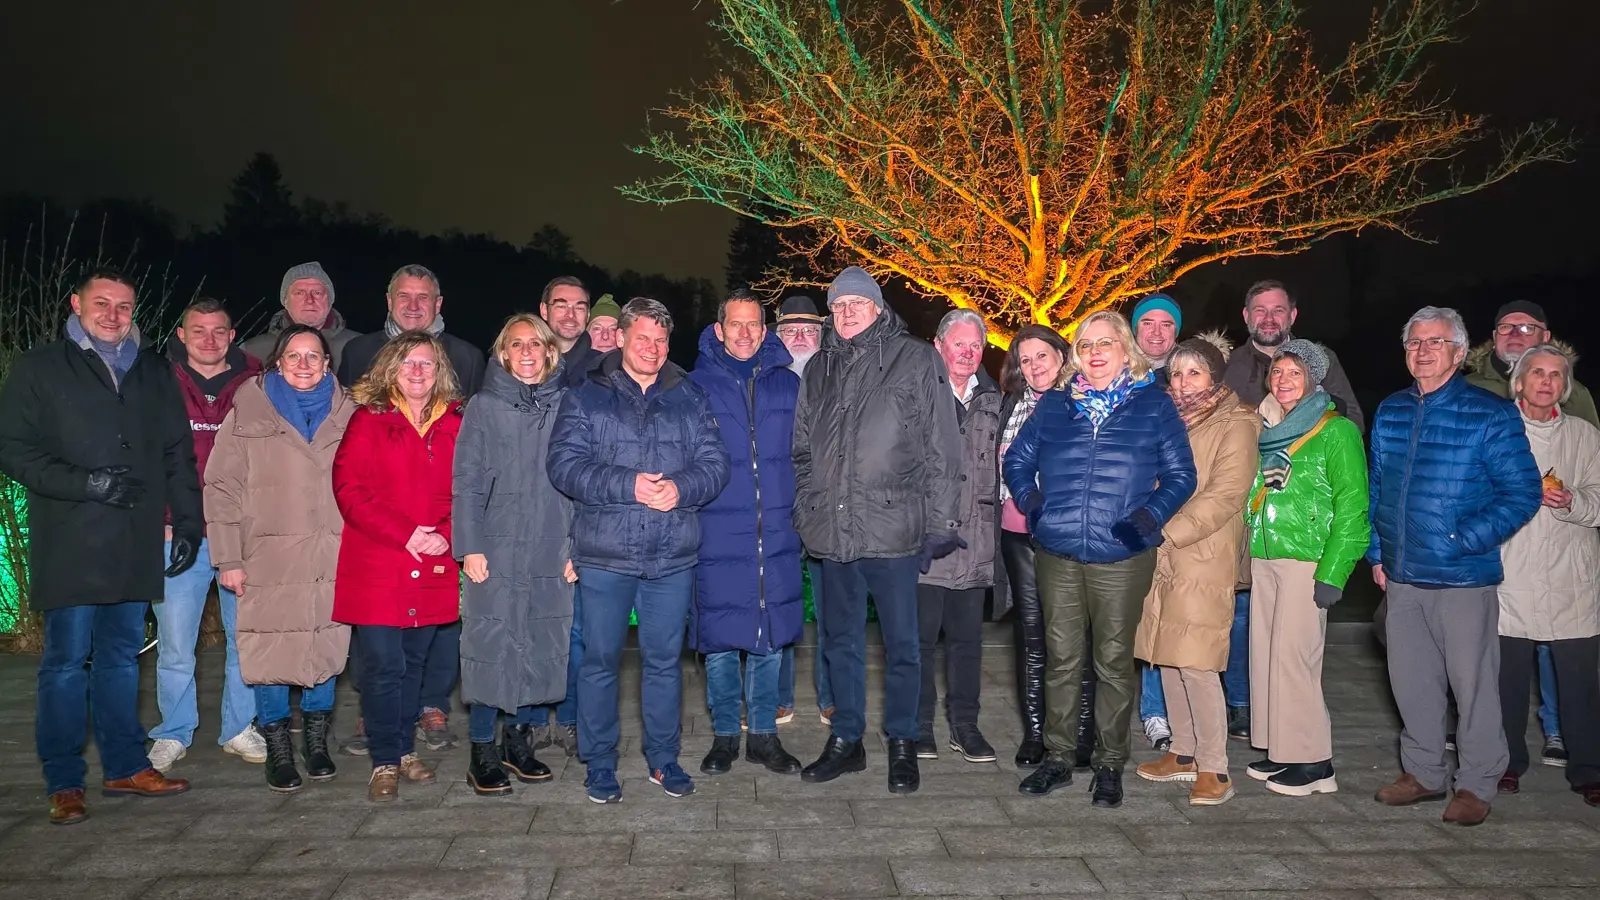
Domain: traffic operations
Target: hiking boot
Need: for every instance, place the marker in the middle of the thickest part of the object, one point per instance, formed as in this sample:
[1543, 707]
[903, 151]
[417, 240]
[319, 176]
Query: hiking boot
[968, 741]
[416, 770]
[601, 785]
[673, 780]
[484, 773]
[516, 754]
[1030, 754]
[565, 737]
[247, 745]
[384, 785]
[1262, 769]
[1051, 775]
[1304, 779]
[433, 730]
[839, 757]
[1106, 788]
[1239, 723]
[357, 745]
[1159, 733]
[164, 753]
[1555, 752]
[281, 774]
[1211, 789]
[1405, 791]
[1510, 783]
[767, 750]
[1170, 767]
[903, 775]
[317, 725]
[926, 746]
[1466, 810]
[724, 750]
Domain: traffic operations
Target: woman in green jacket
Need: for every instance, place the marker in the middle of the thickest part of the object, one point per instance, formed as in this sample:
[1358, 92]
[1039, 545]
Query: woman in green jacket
[1308, 526]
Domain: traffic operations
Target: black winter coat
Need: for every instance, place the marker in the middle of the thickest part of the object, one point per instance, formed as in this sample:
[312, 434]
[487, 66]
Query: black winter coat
[875, 450]
[61, 416]
[978, 484]
[465, 358]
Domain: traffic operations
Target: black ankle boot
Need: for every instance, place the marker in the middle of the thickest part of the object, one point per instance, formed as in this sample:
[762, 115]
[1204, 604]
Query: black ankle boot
[766, 750]
[838, 757]
[1031, 753]
[903, 776]
[516, 754]
[1107, 787]
[319, 763]
[485, 773]
[281, 774]
[724, 750]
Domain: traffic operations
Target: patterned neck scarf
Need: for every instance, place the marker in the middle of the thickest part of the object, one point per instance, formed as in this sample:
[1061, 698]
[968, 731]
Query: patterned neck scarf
[1019, 417]
[1276, 464]
[1098, 405]
[1196, 408]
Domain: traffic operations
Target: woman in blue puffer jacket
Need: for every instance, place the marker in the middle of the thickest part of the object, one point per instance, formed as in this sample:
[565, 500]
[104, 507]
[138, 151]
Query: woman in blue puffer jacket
[1098, 469]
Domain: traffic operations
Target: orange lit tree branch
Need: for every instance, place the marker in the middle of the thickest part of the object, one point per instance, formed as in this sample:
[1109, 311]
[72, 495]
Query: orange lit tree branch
[1037, 160]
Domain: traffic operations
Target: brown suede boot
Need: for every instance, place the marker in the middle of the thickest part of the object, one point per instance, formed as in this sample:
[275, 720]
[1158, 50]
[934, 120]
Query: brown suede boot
[1170, 767]
[1466, 809]
[1405, 791]
[1211, 789]
[384, 785]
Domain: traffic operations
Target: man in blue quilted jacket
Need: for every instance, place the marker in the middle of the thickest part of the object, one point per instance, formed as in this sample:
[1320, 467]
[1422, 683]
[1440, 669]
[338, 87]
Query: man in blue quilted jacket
[637, 447]
[1451, 479]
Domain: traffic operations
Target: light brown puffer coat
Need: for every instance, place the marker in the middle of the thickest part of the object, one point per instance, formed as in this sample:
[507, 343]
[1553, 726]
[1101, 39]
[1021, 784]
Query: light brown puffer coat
[1189, 611]
[270, 510]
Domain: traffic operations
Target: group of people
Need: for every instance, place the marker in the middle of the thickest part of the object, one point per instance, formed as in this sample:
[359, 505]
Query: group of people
[404, 508]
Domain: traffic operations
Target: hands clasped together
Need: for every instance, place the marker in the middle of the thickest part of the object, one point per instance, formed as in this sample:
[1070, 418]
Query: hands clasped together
[655, 491]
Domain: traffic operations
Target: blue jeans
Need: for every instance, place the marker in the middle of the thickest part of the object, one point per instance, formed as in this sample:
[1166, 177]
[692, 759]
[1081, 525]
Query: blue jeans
[1236, 677]
[111, 634]
[1549, 718]
[893, 586]
[758, 689]
[567, 709]
[819, 677]
[178, 626]
[1152, 697]
[482, 719]
[392, 663]
[272, 700]
[663, 606]
[786, 678]
[442, 667]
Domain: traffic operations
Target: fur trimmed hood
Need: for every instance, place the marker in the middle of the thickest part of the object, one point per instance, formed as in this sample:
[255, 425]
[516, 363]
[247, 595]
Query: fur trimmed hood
[1480, 359]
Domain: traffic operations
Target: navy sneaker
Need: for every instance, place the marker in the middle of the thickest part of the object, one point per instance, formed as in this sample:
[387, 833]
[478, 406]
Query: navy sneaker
[602, 786]
[673, 779]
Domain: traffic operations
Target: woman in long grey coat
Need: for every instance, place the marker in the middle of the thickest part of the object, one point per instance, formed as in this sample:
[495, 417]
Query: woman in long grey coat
[513, 536]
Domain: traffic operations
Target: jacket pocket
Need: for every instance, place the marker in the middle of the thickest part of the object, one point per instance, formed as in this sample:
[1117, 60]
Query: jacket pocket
[894, 521]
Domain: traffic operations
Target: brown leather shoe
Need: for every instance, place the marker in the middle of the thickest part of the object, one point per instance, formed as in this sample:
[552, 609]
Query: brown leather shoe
[385, 784]
[1168, 768]
[66, 807]
[1466, 809]
[148, 783]
[415, 769]
[1211, 789]
[1589, 792]
[1510, 783]
[1405, 791]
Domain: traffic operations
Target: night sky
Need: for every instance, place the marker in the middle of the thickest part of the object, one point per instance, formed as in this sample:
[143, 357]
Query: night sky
[499, 117]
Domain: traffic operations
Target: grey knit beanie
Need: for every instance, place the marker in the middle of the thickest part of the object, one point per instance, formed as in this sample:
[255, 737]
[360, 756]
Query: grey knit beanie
[855, 282]
[304, 270]
[1310, 354]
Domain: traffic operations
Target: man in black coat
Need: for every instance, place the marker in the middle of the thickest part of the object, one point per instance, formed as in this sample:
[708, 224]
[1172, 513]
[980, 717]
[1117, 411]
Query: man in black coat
[564, 306]
[95, 429]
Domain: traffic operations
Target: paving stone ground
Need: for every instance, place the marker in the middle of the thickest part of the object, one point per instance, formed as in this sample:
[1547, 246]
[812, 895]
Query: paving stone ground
[744, 836]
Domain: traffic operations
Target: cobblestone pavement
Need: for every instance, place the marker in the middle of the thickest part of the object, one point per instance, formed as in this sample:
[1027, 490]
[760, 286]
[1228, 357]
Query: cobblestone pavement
[966, 833]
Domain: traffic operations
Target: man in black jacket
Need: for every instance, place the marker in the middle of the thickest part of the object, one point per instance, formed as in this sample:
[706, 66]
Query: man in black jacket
[876, 464]
[94, 428]
[564, 306]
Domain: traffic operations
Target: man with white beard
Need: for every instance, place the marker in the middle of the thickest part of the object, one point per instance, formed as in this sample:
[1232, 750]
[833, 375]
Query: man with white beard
[800, 329]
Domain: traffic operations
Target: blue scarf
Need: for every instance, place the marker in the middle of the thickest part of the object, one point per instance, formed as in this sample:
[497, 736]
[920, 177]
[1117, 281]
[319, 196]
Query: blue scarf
[1098, 405]
[117, 357]
[305, 410]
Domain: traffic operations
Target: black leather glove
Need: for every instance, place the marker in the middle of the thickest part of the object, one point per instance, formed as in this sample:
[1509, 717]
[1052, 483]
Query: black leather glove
[113, 486]
[1325, 595]
[1138, 532]
[939, 546]
[182, 557]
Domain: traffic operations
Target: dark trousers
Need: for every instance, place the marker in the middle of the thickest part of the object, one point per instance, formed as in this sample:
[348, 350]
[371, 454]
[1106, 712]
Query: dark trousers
[893, 585]
[442, 667]
[1107, 600]
[1577, 664]
[959, 614]
[392, 663]
[1016, 552]
[1236, 677]
[106, 639]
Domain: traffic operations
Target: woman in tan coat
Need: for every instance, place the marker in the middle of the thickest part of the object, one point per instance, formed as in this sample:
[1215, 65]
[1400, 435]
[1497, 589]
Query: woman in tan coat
[1189, 611]
[274, 530]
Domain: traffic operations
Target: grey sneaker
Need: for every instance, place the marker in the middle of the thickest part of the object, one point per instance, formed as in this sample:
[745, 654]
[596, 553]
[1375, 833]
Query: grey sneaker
[433, 729]
[565, 737]
[357, 743]
[544, 736]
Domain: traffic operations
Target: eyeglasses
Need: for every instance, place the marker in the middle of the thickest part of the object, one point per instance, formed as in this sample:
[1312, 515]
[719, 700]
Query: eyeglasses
[799, 330]
[421, 365]
[311, 358]
[1103, 345]
[1434, 343]
[1522, 328]
[855, 305]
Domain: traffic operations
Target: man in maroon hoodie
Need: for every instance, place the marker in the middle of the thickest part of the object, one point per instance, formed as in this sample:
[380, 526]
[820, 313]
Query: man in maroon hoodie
[209, 370]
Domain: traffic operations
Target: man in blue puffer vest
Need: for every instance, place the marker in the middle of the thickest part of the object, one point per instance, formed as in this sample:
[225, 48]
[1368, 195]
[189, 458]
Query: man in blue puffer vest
[1451, 479]
[637, 447]
[748, 597]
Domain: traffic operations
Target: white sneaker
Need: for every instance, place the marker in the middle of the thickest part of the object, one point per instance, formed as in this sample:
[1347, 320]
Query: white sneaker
[1159, 732]
[248, 745]
[165, 752]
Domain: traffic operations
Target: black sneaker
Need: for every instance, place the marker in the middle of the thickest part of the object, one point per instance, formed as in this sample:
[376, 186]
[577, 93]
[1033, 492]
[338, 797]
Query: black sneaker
[724, 750]
[1051, 775]
[927, 748]
[1555, 752]
[1304, 779]
[1106, 788]
[1239, 723]
[968, 741]
[1262, 769]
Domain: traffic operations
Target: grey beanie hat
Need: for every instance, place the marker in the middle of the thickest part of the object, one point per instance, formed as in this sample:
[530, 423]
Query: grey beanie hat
[855, 282]
[304, 270]
[1311, 354]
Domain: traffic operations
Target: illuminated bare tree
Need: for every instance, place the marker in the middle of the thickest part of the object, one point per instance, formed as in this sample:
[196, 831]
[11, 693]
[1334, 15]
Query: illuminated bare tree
[1037, 160]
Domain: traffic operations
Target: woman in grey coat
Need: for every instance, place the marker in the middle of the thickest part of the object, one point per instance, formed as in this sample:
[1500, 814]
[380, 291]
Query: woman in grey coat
[512, 533]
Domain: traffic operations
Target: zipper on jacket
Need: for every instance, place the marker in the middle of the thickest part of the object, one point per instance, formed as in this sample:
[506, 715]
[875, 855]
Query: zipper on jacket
[755, 471]
[1405, 487]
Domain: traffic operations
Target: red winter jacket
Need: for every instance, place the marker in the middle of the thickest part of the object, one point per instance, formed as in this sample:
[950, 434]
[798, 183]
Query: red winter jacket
[205, 416]
[387, 480]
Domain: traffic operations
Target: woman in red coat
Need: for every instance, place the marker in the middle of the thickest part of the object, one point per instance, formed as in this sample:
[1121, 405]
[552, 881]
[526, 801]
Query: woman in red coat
[397, 577]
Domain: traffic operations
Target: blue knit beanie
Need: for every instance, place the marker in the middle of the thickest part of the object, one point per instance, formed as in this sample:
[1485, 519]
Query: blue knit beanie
[1165, 304]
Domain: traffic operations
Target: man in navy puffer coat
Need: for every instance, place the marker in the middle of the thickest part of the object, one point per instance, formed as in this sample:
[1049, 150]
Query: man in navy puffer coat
[748, 595]
[637, 447]
[1451, 478]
